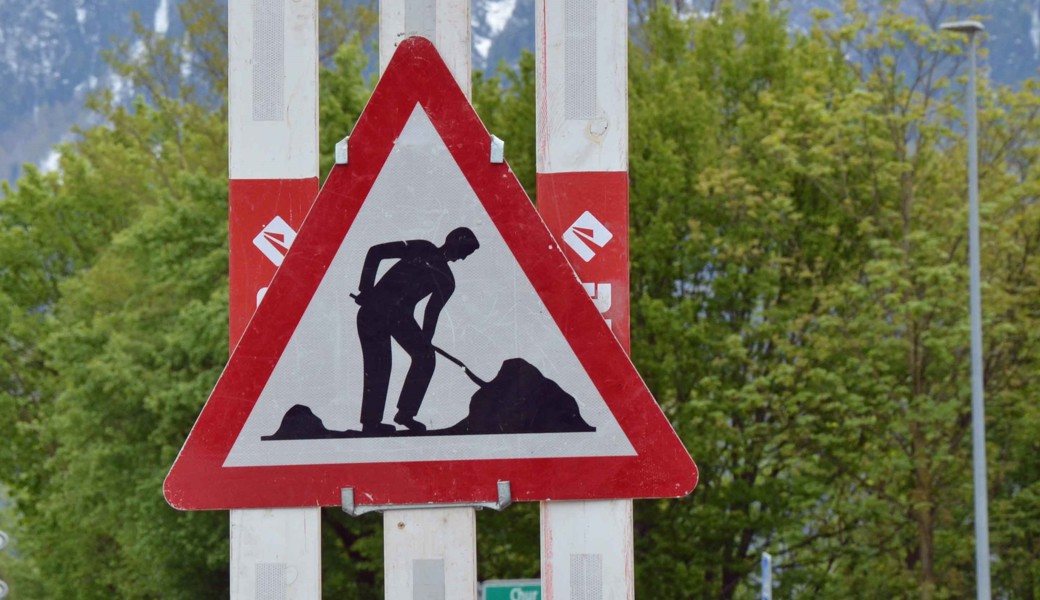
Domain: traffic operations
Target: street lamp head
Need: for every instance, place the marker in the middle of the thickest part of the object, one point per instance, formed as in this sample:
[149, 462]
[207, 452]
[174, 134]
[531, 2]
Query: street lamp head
[968, 27]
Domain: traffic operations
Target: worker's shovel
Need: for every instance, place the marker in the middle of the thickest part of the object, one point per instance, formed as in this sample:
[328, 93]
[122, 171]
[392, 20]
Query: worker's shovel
[477, 380]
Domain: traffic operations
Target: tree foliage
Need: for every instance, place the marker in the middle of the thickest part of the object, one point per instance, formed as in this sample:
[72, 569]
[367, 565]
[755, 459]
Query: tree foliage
[799, 301]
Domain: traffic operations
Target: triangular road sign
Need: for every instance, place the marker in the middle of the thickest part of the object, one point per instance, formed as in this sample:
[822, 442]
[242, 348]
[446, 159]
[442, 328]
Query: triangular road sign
[424, 339]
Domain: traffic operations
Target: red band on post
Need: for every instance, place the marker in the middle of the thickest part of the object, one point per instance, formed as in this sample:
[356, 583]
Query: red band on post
[563, 200]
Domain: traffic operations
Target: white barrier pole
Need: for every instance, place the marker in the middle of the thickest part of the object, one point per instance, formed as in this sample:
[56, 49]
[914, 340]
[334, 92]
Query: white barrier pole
[430, 554]
[273, 168]
[582, 110]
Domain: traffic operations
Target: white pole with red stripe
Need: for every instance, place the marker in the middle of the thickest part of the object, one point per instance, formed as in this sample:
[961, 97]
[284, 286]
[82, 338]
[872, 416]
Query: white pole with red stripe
[430, 553]
[273, 169]
[582, 179]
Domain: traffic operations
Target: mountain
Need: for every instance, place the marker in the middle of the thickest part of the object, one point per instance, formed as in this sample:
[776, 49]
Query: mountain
[50, 52]
[51, 58]
[501, 30]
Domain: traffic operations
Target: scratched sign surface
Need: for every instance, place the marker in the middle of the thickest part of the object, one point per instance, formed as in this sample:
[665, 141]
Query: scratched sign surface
[425, 338]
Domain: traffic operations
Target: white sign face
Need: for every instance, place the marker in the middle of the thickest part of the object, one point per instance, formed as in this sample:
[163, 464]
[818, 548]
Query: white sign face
[491, 317]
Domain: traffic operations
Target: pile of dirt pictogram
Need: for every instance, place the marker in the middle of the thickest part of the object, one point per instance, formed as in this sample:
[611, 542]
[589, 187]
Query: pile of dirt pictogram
[519, 399]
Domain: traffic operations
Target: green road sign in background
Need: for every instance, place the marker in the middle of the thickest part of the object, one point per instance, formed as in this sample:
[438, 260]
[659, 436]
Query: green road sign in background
[511, 589]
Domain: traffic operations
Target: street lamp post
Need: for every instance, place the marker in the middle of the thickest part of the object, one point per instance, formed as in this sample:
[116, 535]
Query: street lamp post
[978, 425]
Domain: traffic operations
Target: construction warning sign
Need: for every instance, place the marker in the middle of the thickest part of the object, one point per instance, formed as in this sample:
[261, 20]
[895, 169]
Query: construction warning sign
[425, 338]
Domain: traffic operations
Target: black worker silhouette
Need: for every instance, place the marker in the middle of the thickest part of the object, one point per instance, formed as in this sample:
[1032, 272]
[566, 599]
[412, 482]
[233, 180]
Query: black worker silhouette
[518, 399]
[388, 312]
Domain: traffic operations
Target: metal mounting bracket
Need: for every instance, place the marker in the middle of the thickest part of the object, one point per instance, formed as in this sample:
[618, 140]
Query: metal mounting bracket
[505, 498]
[498, 150]
[341, 151]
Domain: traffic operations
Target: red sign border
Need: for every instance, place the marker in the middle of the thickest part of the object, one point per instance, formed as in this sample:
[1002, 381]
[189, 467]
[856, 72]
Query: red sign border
[198, 480]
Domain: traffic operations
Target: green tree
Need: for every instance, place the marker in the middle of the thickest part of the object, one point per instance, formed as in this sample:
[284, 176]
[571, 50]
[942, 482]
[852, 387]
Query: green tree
[91, 323]
[798, 298]
[136, 341]
[751, 174]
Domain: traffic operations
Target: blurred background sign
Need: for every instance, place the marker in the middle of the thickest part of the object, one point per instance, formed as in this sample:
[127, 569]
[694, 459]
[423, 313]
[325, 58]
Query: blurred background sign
[511, 589]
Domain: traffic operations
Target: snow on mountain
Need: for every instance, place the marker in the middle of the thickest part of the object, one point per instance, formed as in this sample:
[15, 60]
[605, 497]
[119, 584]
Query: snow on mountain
[162, 17]
[50, 163]
[501, 29]
[489, 19]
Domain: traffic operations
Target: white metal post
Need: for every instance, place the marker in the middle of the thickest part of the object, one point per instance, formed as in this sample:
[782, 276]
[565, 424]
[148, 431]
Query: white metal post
[444, 22]
[273, 133]
[430, 554]
[582, 129]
